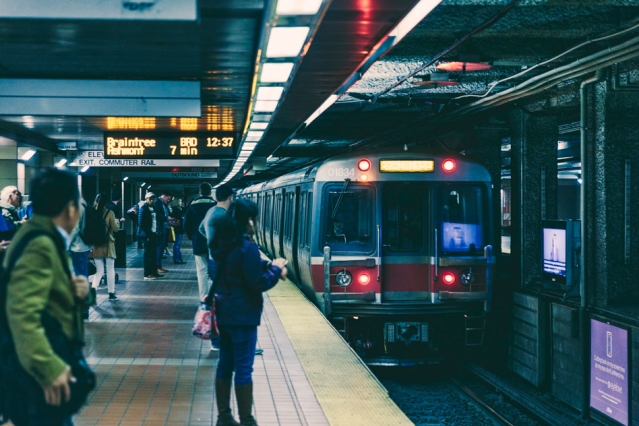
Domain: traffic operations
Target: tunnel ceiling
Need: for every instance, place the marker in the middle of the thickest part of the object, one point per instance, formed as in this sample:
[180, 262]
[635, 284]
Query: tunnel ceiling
[220, 51]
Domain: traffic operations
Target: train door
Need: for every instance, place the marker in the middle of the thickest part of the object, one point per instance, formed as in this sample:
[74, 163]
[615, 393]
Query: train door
[406, 242]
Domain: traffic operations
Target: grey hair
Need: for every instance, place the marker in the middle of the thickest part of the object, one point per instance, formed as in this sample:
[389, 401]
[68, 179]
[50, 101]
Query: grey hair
[6, 191]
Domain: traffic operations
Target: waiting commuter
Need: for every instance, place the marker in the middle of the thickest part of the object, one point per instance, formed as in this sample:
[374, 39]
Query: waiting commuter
[148, 231]
[79, 251]
[242, 276]
[176, 220]
[10, 221]
[105, 254]
[40, 285]
[192, 220]
[162, 212]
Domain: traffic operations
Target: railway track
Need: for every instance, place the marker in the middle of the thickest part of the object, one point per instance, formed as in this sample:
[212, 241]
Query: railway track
[477, 397]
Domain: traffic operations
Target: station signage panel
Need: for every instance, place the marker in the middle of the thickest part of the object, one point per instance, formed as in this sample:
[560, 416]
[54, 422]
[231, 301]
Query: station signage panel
[406, 166]
[174, 175]
[169, 146]
[609, 370]
[96, 159]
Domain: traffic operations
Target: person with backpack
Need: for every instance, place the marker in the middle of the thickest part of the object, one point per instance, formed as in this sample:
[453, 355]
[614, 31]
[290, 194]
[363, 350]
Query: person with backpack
[104, 254]
[40, 293]
[79, 252]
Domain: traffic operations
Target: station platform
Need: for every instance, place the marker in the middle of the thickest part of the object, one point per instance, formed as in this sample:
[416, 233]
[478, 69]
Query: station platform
[152, 371]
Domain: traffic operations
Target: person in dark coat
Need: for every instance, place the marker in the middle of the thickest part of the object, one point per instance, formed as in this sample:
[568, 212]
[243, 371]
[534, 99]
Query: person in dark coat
[148, 230]
[161, 206]
[176, 218]
[241, 278]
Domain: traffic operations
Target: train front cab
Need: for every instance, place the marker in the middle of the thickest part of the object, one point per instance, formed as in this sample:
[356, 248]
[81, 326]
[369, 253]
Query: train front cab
[407, 268]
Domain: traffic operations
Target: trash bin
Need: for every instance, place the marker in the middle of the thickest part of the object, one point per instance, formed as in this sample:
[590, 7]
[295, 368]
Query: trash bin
[120, 249]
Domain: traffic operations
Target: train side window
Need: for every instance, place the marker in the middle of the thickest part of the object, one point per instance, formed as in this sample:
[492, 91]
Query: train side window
[301, 214]
[309, 217]
[278, 213]
[462, 219]
[268, 211]
[348, 218]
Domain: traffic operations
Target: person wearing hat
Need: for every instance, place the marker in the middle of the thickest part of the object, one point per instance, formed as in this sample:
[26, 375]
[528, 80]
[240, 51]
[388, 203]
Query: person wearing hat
[148, 229]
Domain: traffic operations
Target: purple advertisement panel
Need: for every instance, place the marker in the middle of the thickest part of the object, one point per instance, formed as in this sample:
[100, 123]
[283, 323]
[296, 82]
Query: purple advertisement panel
[609, 370]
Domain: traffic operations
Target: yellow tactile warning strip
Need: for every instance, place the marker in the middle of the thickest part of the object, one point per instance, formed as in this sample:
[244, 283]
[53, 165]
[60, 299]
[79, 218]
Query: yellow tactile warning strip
[345, 388]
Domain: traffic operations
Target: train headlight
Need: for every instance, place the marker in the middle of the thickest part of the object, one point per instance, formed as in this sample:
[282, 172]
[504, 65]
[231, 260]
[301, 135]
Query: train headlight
[364, 165]
[449, 278]
[364, 279]
[448, 165]
[344, 278]
[467, 277]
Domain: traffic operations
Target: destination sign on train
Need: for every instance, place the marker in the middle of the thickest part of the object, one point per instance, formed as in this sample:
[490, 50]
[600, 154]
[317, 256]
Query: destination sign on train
[406, 166]
[165, 146]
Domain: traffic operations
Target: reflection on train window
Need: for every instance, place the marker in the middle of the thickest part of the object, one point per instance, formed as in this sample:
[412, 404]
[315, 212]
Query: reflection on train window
[348, 218]
[403, 218]
[462, 220]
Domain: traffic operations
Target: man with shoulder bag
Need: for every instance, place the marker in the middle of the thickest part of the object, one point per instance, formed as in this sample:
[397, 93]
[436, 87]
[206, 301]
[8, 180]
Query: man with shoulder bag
[45, 378]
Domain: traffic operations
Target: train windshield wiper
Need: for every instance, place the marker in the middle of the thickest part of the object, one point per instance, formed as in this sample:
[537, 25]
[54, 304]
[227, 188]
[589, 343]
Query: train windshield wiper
[339, 200]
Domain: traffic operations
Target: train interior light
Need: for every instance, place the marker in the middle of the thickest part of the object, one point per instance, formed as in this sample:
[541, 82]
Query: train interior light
[448, 165]
[364, 165]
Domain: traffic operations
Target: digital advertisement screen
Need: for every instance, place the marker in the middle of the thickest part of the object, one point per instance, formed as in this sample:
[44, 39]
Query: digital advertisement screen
[555, 251]
[460, 236]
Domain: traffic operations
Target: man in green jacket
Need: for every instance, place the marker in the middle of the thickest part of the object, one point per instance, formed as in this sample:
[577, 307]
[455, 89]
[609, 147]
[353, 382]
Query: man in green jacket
[38, 283]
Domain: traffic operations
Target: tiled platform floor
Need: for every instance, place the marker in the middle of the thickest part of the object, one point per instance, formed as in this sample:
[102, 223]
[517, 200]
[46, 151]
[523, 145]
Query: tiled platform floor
[152, 371]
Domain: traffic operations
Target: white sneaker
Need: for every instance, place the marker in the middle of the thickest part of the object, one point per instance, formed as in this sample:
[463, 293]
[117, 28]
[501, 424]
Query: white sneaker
[214, 348]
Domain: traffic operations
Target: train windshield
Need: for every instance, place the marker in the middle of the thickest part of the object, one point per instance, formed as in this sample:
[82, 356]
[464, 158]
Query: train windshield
[348, 218]
[461, 219]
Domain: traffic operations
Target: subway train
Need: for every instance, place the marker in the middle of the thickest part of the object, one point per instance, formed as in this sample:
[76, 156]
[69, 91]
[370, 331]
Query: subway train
[393, 247]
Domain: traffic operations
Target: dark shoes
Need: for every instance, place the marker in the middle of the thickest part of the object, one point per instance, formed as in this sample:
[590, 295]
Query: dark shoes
[162, 271]
[93, 297]
[112, 296]
[259, 351]
[179, 262]
[223, 399]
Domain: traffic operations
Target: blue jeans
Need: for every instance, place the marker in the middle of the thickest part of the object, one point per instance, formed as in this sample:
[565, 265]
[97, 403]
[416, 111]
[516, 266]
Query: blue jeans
[177, 248]
[80, 262]
[237, 353]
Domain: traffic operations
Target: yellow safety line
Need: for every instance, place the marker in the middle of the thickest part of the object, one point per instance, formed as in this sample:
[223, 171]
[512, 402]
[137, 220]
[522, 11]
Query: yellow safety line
[346, 389]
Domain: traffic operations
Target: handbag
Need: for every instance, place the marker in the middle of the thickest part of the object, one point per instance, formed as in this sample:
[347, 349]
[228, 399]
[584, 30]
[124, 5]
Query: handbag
[174, 221]
[204, 323]
[170, 235]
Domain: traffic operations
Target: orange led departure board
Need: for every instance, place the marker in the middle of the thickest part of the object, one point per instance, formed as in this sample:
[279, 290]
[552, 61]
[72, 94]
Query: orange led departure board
[166, 146]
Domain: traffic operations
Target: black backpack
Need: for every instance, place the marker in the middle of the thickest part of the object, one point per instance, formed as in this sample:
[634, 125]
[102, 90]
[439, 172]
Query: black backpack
[95, 232]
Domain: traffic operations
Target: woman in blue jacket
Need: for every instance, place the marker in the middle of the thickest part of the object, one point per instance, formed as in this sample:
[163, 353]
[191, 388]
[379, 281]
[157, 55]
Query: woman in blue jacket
[241, 278]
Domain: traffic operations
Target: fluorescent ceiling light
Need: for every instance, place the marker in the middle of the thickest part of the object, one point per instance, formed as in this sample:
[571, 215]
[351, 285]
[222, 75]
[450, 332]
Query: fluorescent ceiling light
[286, 42]
[269, 93]
[125, 178]
[28, 121]
[276, 73]
[27, 155]
[61, 163]
[85, 168]
[249, 145]
[244, 154]
[298, 7]
[149, 187]
[327, 103]
[414, 17]
[254, 134]
[258, 126]
[265, 106]
[143, 183]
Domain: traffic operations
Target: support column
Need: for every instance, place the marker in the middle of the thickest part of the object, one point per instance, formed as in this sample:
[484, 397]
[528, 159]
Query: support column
[612, 203]
[534, 188]
[8, 166]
